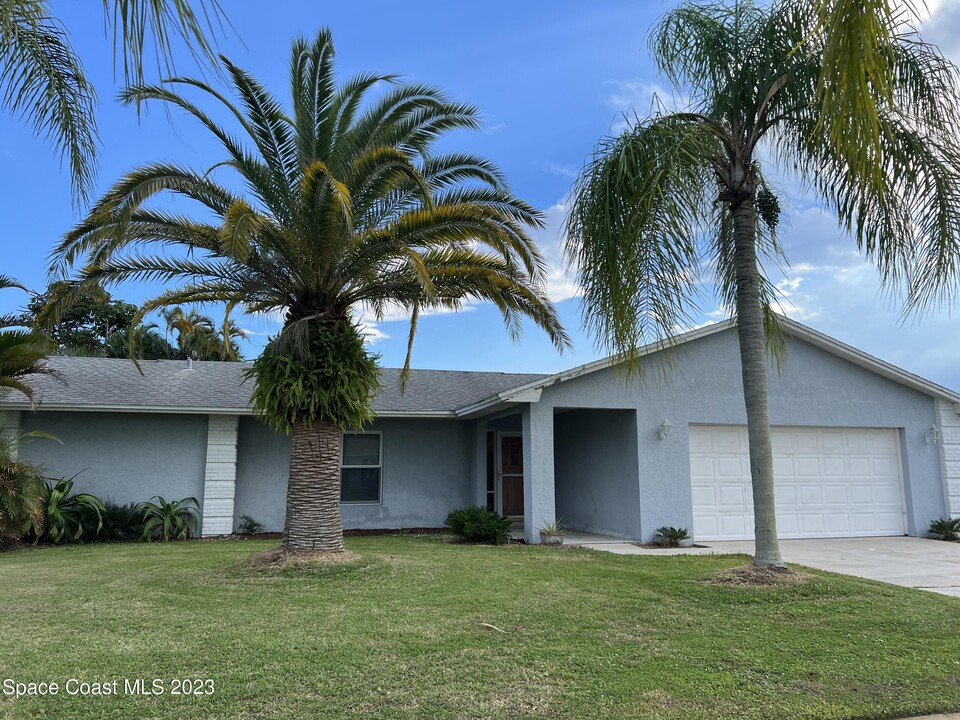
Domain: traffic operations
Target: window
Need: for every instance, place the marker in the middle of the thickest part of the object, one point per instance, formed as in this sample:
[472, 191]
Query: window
[360, 468]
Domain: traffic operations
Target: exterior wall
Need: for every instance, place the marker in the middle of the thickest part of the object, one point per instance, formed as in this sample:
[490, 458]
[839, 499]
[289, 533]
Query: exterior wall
[596, 471]
[9, 426]
[123, 457]
[702, 385]
[948, 420]
[428, 470]
[220, 475]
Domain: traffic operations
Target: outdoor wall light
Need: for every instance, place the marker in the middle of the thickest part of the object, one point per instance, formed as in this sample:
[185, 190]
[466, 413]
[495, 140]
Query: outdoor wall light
[932, 436]
[665, 427]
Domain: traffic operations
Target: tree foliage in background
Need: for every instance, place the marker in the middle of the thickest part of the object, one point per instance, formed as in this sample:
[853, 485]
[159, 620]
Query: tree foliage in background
[682, 195]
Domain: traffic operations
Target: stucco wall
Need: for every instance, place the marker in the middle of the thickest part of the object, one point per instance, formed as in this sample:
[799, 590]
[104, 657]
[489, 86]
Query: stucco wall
[428, 468]
[703, 385]
[596, 471]
[124, 457]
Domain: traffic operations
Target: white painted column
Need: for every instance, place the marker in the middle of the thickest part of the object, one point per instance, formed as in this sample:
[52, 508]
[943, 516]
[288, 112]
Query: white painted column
[10, 426]
[220, 476]
[949, 421]
[539, 493]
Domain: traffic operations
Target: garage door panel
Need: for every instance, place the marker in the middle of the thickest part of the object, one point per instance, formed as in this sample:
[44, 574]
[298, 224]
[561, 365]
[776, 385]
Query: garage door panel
[733, 525]
[728, 440]
[732, 497]
[835, 495]
[808, 467]
[788, 524]
[833, 467]
[830, 482]
[702, 467]
[812, 524]
[783, 466]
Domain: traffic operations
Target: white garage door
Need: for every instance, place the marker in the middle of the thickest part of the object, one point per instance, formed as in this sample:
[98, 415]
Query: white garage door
[830, 482]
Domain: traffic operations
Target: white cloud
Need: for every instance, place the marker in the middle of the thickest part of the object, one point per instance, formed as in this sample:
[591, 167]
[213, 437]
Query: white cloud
[560, 285]
[636, 99]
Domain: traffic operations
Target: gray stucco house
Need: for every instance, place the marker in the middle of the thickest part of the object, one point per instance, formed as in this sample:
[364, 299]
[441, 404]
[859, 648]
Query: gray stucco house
[861, 447]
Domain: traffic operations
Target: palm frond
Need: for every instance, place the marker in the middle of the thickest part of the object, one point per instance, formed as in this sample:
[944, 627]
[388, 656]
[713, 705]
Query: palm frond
[42, 80]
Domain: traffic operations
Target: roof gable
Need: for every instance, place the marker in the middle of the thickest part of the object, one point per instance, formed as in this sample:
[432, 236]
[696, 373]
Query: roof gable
[530, 390]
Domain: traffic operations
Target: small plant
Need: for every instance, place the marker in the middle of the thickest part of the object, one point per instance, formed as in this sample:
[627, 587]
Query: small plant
[670, 536]
[944, 529]
[554, 528]
[249, 526]
[478, 524]
[67, 515]
[552, 533]
[174, 520]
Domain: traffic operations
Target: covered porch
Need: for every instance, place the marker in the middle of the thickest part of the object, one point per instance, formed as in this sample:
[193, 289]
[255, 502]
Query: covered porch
[538, 464]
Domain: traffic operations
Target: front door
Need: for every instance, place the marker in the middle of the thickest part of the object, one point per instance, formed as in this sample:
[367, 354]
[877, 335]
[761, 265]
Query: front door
[511, 475]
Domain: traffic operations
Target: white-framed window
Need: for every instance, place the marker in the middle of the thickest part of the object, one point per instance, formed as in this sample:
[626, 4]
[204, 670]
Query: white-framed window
[361, 467]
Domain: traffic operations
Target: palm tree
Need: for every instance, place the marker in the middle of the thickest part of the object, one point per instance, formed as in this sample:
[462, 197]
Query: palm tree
[686, 190]
[22, 352]
[347, 208]
[189, 326]
[42, 78]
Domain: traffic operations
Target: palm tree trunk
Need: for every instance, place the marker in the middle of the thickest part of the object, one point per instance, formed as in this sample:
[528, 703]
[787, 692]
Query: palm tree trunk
[753, 366]
[313, 489]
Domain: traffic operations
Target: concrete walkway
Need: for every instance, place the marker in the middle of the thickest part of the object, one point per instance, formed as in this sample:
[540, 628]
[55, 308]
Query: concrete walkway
[912, 562]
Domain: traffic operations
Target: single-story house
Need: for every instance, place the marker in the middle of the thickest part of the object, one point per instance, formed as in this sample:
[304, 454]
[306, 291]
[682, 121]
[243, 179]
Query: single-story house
[861, 447]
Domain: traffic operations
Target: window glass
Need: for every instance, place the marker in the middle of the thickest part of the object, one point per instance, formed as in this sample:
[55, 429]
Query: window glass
[360, 469]
[361, 449]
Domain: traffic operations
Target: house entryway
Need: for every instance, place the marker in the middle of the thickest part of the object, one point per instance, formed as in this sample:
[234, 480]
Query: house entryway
[505, 473]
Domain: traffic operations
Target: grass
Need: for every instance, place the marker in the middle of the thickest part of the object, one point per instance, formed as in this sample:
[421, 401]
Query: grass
[397, 634]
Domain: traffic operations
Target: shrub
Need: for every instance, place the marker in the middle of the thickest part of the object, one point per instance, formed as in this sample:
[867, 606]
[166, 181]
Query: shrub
[120, 523]
[670, 536]
[479, 525]
[174, 520]
[249, 526]
[21, 489]
[944, 529]
[21, 500]
[67, 515]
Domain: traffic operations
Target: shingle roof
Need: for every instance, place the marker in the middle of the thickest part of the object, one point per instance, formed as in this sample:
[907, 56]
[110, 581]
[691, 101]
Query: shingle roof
[169, 385]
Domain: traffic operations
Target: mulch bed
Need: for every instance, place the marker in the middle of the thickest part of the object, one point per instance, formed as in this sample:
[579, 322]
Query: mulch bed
[280, 558]
[758, 577]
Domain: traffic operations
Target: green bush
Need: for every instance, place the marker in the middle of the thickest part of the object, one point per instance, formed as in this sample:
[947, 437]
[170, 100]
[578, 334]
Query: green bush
[249, 526]
[670, 536]
[21, 500]
[944, 529]
[68, 516]
[478, 524]
[21, 489]
[120, 523]
[174, 520]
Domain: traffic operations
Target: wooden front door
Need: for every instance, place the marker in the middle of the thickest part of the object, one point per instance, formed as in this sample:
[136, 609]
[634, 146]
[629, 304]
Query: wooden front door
[511, 475]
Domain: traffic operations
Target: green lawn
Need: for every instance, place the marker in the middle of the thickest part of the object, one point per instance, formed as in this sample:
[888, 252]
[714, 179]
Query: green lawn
[397, 634]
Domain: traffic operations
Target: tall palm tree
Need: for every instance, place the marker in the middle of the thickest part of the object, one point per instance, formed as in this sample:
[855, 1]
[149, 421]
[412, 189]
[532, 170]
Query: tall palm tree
[188, 325]
[346, 208]
[684, 191]
[42, 78]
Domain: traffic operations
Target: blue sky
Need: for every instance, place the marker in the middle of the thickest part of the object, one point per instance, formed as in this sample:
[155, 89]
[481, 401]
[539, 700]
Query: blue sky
[550, 80]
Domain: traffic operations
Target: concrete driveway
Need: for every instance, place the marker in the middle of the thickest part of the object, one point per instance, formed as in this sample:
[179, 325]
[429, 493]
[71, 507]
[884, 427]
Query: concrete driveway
[912, 562]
